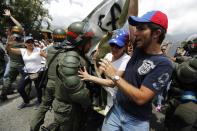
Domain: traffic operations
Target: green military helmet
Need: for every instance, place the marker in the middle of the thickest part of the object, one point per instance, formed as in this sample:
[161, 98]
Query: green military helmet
[187, 71]
[46, 33]
[59, 35]
[192, 38]
[17, 30]
[79, 33]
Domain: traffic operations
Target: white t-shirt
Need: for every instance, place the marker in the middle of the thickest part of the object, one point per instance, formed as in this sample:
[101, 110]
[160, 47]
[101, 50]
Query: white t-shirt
[33, 61]
[120, 65]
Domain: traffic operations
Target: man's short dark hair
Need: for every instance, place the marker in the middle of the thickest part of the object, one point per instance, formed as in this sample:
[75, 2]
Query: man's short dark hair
[155, 27]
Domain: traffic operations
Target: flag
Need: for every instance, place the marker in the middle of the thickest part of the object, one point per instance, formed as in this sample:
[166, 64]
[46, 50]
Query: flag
[109, 15]
[106, 15]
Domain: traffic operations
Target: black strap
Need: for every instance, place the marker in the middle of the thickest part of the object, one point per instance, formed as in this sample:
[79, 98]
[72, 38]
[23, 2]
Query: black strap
[44, 75]
[54, 57]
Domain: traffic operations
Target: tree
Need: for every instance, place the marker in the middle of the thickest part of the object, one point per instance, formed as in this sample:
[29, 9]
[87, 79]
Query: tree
[30, 13]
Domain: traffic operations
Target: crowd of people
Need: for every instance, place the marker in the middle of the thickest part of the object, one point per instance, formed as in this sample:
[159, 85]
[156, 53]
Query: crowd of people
[135, 72]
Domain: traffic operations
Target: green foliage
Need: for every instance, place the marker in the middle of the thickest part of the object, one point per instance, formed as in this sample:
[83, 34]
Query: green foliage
[30, 13]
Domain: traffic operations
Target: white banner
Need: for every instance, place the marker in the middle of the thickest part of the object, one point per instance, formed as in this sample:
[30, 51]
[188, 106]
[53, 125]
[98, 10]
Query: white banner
[105, 17]
[106, 14]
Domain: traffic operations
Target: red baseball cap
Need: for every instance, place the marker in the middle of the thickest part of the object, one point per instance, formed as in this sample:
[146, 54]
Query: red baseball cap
[156, 17]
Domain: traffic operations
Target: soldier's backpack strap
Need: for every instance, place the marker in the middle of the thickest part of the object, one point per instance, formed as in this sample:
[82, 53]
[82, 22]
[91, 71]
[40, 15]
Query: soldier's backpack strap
[54, 57]
[44, 79]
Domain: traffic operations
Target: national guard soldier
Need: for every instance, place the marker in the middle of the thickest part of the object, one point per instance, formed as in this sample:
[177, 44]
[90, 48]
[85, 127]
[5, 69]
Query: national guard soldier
[71, 94]
[181, 113]
[53, 52]
[16, 62]
[182, 98]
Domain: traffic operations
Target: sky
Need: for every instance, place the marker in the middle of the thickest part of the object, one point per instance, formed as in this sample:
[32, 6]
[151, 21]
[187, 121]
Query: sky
[182, 14]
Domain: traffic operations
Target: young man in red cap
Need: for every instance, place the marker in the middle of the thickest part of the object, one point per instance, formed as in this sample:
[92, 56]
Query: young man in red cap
[147, 74]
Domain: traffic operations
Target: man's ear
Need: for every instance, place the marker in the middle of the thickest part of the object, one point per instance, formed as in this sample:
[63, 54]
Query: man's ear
[156, 33]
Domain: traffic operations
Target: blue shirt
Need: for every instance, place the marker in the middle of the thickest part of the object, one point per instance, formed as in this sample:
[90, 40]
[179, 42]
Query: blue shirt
[152, 71]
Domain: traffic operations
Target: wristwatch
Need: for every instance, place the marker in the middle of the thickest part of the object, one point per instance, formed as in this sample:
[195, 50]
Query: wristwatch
[115, 78]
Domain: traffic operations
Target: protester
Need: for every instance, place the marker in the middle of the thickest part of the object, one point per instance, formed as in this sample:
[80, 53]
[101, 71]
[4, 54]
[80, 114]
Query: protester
[129, 49]
[164, 48]
[8, 13]
[119, 60]
[33, 67]
[146, 74]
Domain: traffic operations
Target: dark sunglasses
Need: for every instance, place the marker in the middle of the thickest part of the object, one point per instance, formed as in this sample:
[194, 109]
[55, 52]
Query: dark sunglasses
[115, 46]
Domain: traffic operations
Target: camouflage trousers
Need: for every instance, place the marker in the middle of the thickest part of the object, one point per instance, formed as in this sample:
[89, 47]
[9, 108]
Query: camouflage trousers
[67, 116]
[46, 104]
[13, 73]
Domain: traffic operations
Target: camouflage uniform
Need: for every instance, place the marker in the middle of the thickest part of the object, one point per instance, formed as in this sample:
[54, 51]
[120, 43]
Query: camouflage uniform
[181, 113]
[16, 65]
[48, 96]
[52, 54]
[71, 93]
